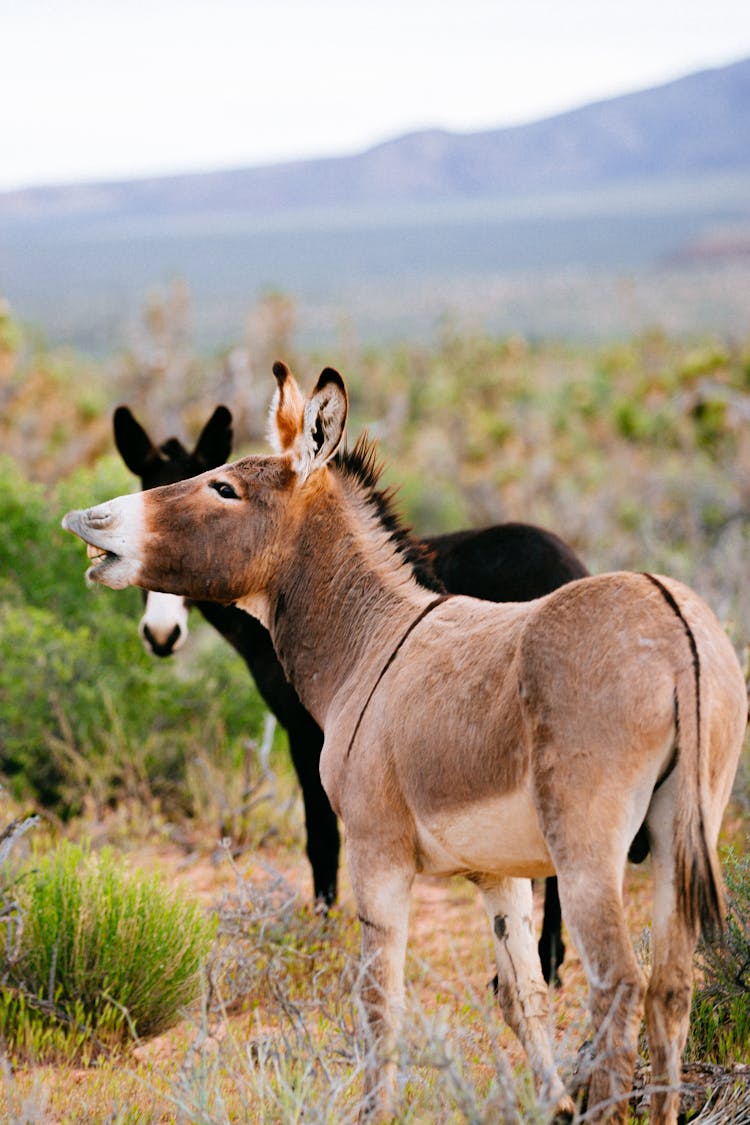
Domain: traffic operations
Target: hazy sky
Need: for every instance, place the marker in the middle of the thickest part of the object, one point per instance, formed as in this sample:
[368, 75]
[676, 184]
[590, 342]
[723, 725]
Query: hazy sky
[93, 89]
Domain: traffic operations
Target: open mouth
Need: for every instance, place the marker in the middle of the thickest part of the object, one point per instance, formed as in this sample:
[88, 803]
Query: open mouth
[115, 523]
[100, 559]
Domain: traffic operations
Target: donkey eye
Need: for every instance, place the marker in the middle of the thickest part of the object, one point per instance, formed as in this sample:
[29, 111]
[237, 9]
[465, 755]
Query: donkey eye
[224, 489]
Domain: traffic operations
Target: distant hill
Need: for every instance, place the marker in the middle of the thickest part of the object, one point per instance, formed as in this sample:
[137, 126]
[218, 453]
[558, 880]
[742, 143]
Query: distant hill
[697, 126]
[530, 229]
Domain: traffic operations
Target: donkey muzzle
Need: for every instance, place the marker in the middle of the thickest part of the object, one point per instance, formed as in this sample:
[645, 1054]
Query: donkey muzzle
[113, 534]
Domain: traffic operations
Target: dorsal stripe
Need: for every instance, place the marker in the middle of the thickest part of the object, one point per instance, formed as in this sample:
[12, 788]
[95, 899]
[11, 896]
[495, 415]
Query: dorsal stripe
[671, 602]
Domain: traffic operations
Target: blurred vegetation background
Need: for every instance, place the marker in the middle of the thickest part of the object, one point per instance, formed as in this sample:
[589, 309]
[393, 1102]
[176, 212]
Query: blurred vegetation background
[636, 452]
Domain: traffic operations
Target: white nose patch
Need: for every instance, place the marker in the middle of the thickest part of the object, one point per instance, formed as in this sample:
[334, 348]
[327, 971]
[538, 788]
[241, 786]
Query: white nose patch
[165, 617]
[115, 531]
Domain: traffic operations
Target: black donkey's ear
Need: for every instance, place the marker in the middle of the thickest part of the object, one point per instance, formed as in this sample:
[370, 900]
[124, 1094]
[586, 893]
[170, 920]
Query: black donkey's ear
[215, 442]
[132, 441]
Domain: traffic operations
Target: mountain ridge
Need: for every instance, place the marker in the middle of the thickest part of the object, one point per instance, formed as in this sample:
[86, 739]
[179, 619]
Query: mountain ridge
[696, 125]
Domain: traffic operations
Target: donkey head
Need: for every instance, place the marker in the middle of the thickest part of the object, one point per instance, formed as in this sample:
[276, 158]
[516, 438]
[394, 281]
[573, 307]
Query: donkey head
[221, 536]
[164, 625]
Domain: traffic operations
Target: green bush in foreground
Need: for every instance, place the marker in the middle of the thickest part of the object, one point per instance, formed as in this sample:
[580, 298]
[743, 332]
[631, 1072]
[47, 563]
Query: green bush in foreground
[720, 1021]
[105, 955]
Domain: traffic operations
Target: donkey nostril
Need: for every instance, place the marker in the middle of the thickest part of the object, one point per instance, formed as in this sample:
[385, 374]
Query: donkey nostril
[161, 648]
[99, 517]
[148, 637]
[173, 638]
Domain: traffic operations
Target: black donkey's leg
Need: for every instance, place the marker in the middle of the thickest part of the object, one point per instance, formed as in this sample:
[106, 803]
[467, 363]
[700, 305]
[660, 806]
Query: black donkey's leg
[551, 946]
[321, 825]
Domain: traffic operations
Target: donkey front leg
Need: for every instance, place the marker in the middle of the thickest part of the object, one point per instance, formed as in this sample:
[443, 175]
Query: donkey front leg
[382, 895]
[521, 988]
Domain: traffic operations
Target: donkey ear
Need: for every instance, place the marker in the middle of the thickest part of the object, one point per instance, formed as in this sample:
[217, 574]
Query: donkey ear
[323, 423]
[132, 441]
[286, 411]
[215, 442]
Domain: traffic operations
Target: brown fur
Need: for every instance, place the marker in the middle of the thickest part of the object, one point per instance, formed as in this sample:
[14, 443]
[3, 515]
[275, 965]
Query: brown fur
[501, 742]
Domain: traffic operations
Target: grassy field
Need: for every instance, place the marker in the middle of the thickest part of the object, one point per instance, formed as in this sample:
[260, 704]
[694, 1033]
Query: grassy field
[637, 453]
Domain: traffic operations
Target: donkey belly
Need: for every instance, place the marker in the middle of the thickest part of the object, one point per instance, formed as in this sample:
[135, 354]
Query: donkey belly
[494, 836]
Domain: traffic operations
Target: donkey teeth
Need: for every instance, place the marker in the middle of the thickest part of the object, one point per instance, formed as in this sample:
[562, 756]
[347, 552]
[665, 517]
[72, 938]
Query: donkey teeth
[95, 553]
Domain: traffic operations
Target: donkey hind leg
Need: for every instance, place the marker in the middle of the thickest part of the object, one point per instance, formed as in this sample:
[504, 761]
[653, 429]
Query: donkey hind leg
[593, 911]
[670, 988]
[521, 988]
[382, 895]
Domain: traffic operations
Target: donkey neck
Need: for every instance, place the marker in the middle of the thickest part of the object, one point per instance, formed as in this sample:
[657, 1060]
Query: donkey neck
[341, 601]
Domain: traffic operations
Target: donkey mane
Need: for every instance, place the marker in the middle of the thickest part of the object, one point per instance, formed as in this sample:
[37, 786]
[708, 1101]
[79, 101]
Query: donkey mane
[362, 465]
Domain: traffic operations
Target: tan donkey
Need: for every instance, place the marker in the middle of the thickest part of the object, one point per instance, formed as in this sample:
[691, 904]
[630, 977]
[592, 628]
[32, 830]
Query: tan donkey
[496, 741]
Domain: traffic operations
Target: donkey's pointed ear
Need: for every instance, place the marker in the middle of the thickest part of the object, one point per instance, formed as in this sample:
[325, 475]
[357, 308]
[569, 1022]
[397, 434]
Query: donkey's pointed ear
[286, 411]
[323, 423]
[215, 442]
[133, 443]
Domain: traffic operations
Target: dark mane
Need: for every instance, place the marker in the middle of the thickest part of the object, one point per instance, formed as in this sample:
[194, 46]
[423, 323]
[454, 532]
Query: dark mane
[362, 465]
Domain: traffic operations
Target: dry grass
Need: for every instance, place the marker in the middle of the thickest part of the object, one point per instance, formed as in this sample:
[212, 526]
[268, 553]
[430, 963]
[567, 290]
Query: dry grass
[275, 1038]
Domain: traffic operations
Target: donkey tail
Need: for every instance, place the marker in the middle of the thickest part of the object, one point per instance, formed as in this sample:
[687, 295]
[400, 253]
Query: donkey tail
[698, 879]
[699, 884]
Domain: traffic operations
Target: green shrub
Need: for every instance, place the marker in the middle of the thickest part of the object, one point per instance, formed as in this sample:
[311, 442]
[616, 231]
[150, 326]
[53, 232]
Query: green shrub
[40, 564]
[85, 713]
[710, 418]
[720, 1021]
[105, 954]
